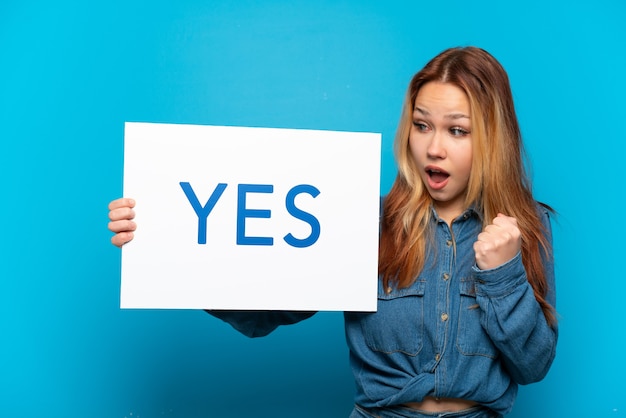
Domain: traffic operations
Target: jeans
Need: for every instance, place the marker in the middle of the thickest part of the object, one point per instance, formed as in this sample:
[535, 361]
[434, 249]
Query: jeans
[404, 412]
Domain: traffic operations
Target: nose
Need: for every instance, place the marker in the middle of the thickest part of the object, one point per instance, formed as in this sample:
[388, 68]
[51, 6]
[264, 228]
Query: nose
[436, 149]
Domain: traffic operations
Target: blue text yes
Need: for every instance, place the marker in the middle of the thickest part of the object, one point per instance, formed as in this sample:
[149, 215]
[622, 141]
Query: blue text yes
[244, 212]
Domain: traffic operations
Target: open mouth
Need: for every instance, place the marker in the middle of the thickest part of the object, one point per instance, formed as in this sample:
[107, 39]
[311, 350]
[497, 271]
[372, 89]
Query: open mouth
[437, 176]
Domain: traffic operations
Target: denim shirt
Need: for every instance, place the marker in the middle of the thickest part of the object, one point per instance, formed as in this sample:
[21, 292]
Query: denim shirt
[456, 332]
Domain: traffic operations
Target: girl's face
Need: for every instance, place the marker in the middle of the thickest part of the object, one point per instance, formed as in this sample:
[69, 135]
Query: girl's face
[440, 141]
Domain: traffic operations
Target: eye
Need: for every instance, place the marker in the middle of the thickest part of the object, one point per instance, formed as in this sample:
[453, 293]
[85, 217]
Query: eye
[458, 131]
[420, 126]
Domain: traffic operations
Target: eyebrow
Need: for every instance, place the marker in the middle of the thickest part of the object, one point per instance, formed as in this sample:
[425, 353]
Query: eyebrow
[448, 116]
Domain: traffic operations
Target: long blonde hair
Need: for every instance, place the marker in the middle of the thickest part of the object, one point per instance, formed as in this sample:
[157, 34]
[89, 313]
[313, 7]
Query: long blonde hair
[498, 181]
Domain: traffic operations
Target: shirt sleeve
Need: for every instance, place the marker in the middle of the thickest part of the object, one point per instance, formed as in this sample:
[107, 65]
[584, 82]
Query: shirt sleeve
[514, 319]
[259, 323]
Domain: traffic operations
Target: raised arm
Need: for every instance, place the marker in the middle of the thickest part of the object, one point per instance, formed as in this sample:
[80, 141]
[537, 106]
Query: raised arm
[514, 319]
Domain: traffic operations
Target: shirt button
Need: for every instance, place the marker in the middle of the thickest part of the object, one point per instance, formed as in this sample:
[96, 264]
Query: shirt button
[446, 276]
[388, 290]
[449, 243]
[444, 316]
[437, 357]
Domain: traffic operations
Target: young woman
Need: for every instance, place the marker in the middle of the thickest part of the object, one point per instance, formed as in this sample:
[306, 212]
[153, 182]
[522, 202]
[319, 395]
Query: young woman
[466, 291]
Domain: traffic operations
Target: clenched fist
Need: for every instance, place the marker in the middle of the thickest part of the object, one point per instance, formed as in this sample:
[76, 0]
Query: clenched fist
[498, 243]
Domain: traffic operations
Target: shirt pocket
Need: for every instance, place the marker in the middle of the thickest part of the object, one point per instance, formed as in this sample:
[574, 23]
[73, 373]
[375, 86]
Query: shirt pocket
[397, 326]
[472, 340]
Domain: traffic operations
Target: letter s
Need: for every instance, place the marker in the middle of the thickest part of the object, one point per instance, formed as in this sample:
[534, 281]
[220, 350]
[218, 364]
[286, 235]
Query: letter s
[303, 216]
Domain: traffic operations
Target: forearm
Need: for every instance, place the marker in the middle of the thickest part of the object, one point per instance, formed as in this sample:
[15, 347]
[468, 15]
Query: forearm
[515, 321]
[259, 323]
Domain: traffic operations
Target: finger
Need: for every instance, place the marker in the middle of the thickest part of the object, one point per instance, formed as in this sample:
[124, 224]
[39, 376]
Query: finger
[121, 214]
[490, 230]
[483, 236]
[479, 248]
[508, 227]
[122, 238]
[122, 202]
[504, 220]
[493, 238]
[122, 226]
[482, 251]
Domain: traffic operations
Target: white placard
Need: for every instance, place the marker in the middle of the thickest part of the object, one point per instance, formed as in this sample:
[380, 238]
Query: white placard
[251, 218]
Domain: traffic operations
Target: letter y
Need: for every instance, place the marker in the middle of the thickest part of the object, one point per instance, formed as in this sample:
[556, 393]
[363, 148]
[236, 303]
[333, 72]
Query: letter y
[202, 211]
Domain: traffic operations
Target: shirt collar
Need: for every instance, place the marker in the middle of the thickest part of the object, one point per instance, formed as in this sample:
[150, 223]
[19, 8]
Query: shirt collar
[467, 214]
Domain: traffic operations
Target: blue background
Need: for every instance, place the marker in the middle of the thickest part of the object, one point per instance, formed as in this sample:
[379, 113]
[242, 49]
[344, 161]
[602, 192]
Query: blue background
[72, 72]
